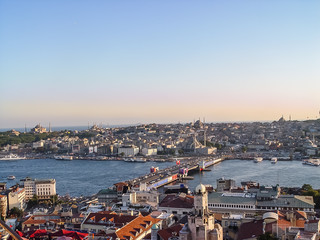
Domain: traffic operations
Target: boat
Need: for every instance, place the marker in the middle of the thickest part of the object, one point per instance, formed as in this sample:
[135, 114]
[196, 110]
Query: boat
[258, 159]
[64, 157]
[274, 160]
[11, 177]
[312, 162]
[139, 160]
[11, 157]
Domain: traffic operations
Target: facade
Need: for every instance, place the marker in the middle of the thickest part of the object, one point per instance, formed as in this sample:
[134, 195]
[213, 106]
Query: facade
[225, 184]
[149, 151]
[16, 198]
[44, 189]
[128, 151]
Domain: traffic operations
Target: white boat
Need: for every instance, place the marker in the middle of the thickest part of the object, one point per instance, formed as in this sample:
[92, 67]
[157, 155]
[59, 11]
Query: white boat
[139, 160]
[64, 157]
[11, 157]
[11, 177]
[274, 160]
[258, 159]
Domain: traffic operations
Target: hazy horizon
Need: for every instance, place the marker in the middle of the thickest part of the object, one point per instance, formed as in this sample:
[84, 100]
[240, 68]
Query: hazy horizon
[70, 62]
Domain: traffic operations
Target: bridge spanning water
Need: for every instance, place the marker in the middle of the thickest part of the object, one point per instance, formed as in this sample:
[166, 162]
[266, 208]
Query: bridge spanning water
[165, 176]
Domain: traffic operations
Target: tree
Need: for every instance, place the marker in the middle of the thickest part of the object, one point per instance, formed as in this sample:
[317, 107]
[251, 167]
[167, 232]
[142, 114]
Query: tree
[267, 236]
[16, 212]
[306, 187]
[244, 149]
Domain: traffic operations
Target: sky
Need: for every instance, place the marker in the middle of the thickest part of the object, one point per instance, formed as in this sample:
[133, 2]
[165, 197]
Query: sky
[127, 62]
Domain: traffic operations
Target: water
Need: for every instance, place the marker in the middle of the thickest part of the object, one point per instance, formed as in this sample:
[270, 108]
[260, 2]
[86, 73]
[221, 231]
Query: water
[84, 177]
[284, 173]
[77, 177]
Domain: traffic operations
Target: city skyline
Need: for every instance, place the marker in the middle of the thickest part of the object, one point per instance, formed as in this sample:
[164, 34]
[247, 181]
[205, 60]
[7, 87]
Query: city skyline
[141, 62]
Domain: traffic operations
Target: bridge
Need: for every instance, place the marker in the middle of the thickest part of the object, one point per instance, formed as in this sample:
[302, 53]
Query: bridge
[171, 174]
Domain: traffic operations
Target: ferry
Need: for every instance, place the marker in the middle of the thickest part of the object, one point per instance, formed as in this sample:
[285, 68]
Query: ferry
[274, 160]
[312, 162]
[258, 159]
[11, 157]
[11, 177]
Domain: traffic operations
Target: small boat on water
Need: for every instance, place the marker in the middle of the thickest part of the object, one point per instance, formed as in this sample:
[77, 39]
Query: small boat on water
[258, 159]
[11, 177]
[274, 160]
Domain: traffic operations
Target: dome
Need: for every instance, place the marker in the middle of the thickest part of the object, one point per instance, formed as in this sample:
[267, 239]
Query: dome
[201, 188]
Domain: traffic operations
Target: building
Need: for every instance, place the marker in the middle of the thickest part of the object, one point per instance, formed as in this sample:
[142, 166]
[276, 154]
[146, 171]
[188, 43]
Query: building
[119, 226]
[258, 201]
[201, 222]
[44, 189]
[128, 151]
[16, 198]
[178, 205]
[107, 196]
[225, 184]
[38, 129]
[149, 151]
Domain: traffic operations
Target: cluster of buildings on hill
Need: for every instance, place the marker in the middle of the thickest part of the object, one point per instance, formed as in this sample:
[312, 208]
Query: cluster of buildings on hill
[290, 139]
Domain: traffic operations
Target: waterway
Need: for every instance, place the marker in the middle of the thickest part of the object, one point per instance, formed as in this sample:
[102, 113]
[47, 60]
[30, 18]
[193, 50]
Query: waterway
[284, 173]
[84, 177]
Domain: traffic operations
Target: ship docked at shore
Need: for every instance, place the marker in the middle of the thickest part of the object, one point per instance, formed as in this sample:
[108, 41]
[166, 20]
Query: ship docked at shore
[11, 157]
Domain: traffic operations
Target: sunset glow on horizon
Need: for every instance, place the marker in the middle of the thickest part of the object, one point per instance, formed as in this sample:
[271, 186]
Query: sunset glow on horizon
[128, 62]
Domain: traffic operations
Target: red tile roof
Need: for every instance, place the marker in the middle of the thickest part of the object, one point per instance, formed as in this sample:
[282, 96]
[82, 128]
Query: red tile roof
[175, 201]
[165, 234]
[106, 219]
[136, 227]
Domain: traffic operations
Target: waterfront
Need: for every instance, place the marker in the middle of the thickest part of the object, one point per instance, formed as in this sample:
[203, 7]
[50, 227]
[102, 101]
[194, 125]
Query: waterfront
[84, 177]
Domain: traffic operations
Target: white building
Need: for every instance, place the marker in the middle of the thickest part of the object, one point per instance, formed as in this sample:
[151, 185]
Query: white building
[128, 151]
[16, 198]
[44, 189]
[149, 151]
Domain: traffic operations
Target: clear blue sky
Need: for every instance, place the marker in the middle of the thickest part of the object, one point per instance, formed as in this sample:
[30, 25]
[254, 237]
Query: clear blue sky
[70, 62]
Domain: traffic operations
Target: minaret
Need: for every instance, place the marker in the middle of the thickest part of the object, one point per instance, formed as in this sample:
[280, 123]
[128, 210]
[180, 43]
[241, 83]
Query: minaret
[25, 128]
[49, 127]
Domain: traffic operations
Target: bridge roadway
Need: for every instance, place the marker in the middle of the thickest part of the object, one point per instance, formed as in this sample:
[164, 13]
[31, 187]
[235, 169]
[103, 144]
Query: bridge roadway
[170, 174]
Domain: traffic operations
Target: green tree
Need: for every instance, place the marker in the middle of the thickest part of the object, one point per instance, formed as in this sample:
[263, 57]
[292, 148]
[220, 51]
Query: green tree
[306, 187]
[267, 236]
[244, 149]
[16, 212]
